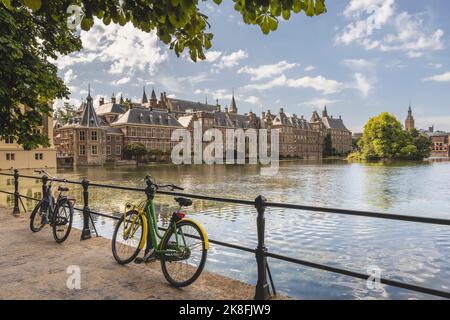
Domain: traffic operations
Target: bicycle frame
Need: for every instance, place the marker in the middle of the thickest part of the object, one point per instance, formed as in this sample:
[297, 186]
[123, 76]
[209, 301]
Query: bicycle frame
[146, 211]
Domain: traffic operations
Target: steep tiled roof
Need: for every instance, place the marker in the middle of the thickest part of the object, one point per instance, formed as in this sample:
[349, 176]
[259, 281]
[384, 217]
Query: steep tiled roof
[111, 108]
[89, 117]
[147, 116]
[183, 105]
[334, 123]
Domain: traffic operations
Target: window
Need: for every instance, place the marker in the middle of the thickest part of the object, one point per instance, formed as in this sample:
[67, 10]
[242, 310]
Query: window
[94, 150]
[108, 150]
[81, 135]
[118, 151]
[94, 135]
[108, 138]
[10, 139]
[10, 157]
[38, 156]
[118, 138]
[82, 149]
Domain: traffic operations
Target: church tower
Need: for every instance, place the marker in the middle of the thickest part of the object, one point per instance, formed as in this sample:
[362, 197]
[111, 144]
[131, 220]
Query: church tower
[409, 122]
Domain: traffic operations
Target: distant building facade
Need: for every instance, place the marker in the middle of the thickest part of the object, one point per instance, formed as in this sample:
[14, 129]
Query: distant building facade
[12, 155]
[96, 136]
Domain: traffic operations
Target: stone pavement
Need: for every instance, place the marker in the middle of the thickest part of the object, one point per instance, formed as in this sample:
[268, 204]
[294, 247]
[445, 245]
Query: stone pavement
[34, 266]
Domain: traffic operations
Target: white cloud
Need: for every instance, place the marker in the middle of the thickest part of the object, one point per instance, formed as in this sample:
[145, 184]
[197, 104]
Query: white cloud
[444, 77]
[358, 64]
[317, 102]
[362, 84]
[409, 33]
[212, 56]
[231, 60]
[435, 65]
[122, 81]
[216, 94]
[267, 70]
[69, 76]
[310, 68]
[253, 100]
[125, 49]
[318, 83]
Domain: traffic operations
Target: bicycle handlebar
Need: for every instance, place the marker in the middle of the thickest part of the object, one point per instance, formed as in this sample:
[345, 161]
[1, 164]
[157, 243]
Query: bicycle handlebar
[150, 181]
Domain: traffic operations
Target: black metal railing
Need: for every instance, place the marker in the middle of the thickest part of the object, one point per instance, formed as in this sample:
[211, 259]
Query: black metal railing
[262, 291]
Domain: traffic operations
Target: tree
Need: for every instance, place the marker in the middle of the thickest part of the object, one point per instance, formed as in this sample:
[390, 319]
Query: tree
[134, 150]
[63, 114]
[328, 149]
[34, 31]
[384, 138]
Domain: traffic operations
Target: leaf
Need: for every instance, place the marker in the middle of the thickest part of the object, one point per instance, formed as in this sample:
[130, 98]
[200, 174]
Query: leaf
[297, 7]
[217, 2]
[87, 23]
[310, 10]
[273, 23]
[7, 3]
[286, 14]
[320, 7]
[34, 5]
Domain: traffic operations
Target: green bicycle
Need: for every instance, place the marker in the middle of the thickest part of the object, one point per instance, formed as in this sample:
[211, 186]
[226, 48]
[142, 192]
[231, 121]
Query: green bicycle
[182, 248]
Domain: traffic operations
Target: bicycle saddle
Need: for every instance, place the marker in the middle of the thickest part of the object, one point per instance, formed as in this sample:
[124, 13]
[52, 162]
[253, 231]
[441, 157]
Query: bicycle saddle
[184, 202]
[60, 188]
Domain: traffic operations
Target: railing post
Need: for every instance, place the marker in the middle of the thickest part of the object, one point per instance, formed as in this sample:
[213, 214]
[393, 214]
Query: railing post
[86, 233]
[16, 209]
[262, 287]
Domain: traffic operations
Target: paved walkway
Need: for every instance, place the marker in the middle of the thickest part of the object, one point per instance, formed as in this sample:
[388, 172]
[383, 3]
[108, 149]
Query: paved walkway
[33, 266]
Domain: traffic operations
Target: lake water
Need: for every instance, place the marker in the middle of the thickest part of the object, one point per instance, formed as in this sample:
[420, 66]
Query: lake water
[411, 252]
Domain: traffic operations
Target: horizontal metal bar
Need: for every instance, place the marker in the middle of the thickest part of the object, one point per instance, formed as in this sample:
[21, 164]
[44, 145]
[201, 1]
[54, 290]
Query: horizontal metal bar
[314, 265]
[369, 214]
[362, 276]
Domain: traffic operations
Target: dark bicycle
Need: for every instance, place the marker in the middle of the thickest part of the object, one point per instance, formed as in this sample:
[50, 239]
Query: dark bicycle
[55, 212]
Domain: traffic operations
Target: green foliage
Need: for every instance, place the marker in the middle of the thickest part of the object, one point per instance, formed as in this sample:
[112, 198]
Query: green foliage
[27, 41]
[328, 149]
[36, 31]
[384, 138]
[63, 114]
[134, 150]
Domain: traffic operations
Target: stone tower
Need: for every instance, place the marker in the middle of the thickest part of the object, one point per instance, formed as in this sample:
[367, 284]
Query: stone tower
[409, 122]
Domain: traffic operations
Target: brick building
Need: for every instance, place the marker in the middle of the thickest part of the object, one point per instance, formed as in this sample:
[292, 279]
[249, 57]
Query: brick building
[96, 136]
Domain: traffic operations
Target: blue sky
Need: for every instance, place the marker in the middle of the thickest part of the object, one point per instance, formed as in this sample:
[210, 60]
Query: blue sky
[361, 58]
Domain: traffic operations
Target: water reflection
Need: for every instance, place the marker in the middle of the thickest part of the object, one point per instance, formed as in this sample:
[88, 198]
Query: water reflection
[410, 252]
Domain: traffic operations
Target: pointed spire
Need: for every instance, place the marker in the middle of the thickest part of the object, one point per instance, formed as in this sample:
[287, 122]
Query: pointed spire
[121, 99]
[233, 107]
[144, 96]
[113, 98]
[153, 95]
[89, 117]
[206, 99]
[325, 112]
[89, 92]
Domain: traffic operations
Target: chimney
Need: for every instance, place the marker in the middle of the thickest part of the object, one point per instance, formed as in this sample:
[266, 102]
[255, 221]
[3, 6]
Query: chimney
[263, 114]
[340, 117]
[102, 101]
[226, 109]
[281, 110]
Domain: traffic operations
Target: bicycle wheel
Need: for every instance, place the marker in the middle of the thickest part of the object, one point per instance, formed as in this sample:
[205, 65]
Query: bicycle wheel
[183, 264]
[36, 216]
[127, 236]
[62, 222]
